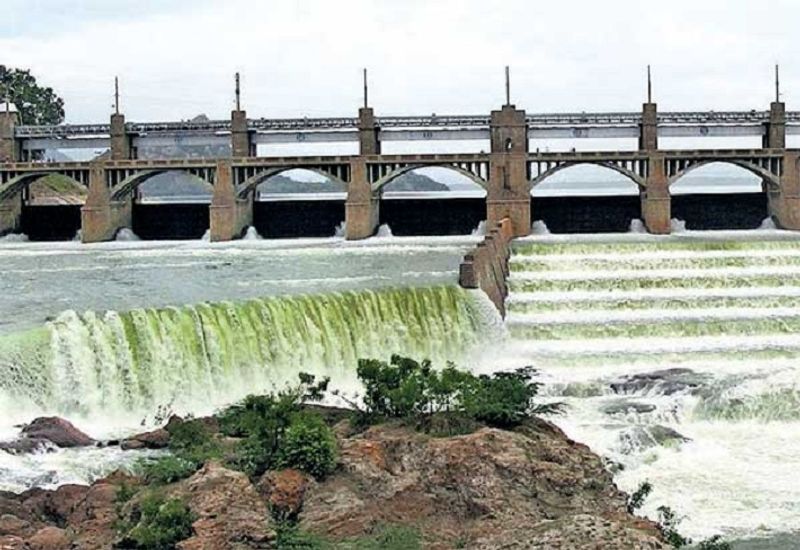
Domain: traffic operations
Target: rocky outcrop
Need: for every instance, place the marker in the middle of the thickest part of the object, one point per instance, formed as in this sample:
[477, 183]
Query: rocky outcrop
[230, 513]
[45, 432]
[490, 489]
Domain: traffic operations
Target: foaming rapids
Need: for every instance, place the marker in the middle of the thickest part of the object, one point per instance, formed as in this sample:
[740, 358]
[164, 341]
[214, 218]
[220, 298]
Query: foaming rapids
[679, 363]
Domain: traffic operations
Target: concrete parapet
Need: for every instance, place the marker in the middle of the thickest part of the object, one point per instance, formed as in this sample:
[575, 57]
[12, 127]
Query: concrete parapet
[486, 266]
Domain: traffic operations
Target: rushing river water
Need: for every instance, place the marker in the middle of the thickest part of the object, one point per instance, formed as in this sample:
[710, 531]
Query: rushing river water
[676, 355]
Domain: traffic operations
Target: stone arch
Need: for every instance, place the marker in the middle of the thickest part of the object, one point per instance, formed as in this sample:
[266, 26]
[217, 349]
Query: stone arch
[127, 186]
[763, 173]
[18, 183]
[244, 189]
[638, 180]
[389, 178]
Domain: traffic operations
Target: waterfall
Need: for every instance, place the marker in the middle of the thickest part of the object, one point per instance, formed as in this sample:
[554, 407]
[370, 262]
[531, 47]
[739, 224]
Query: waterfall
[196, 358]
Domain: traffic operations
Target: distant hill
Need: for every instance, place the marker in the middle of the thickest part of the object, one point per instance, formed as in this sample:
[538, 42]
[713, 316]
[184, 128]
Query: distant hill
[414, 181]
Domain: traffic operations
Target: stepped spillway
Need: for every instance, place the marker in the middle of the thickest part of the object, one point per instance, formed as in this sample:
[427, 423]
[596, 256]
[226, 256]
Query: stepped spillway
[678, 359]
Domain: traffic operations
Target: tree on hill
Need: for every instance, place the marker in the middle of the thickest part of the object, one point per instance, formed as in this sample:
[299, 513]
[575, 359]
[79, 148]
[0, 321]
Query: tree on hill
[36, 104]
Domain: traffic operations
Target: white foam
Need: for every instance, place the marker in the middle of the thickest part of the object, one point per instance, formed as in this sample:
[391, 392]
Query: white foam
[539, 228]
[592, 317]
[632, 274]
[645, 294]
[126, 234]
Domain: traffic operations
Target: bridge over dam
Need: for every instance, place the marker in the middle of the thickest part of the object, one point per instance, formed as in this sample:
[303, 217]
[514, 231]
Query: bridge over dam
[507, 171]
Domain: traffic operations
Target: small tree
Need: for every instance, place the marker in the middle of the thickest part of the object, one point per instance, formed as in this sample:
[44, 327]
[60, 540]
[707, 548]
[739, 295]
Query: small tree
[36, 104]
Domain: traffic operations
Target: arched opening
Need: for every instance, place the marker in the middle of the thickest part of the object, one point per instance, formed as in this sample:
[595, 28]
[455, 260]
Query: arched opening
[299, 203]
[51, 208]
[436, 200]
[171, 205]
[585, 198]
[719, 196]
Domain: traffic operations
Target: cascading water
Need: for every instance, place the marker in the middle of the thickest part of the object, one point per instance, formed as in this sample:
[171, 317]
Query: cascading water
[678, 359]
[196, 357]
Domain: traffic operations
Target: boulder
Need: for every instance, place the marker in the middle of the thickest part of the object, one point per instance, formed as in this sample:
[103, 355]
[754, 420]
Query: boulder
[230, 512]
[50, 538]
[284, 491]
[660, 382]
[58, 431]
[639, 438]
[156, 439]
[624, 406]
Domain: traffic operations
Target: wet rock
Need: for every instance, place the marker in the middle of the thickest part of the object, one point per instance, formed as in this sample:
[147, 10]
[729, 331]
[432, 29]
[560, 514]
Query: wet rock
[284, 491]
[627, 407]
[58, 431]
[661, 382]
[491, 488]
[27, 445]
[156, 439]
[638, 438]
[230, 512]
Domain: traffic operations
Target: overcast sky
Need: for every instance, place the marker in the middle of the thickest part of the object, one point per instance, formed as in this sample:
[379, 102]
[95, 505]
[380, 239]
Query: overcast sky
[177, 58]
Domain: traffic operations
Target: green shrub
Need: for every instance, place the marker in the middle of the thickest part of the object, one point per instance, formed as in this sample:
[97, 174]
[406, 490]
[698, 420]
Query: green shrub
[669, 521]
[636, 500]
[714, 543]
[159, 524]
[504, 399]
[277, 433]
[308, 445]
[404, 388]
[165, 469]
[194, 442]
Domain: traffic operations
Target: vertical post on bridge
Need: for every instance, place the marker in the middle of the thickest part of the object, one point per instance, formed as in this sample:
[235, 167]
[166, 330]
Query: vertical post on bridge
[362, 208]
[121, 141]
[783, 200]
[509, 194]
[655, 199]
[10, 149]
[241, 137]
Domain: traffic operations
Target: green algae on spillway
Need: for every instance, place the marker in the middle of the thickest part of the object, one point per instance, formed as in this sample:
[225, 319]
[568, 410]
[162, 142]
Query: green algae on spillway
[216, 353]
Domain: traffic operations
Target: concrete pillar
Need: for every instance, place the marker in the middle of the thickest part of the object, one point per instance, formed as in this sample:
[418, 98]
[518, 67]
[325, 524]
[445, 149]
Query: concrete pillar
[648, 129]
[10, 149]
[509, 183]
[656, 200]
[102, 218]
[241, 138]
[229, 215]
[369, 142]
[784, 202]
[121, 142]
[10, 214]
[775, 128]
[362, 208]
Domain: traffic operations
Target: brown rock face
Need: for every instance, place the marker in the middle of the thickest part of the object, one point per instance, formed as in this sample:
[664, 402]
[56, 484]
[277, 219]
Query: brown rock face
[488, 489]
[58, 431]
[284, 491]
[50, 538]
[230, 513]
